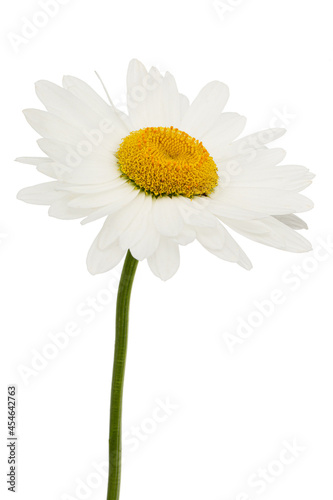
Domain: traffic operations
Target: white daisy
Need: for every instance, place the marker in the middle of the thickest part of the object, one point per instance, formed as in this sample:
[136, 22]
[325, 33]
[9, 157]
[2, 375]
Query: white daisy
[163, 175]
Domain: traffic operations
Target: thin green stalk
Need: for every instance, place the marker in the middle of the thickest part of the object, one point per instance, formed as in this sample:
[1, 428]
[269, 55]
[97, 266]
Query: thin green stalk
[122, 316]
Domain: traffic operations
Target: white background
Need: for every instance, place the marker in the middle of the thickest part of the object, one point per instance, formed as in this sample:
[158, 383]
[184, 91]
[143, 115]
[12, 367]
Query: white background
[235, 410]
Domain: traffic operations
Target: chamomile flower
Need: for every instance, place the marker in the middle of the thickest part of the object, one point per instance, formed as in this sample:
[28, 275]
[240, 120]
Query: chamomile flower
[164, 174]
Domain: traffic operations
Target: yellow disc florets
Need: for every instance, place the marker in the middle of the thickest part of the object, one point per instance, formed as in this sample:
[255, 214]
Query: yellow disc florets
[166, 161]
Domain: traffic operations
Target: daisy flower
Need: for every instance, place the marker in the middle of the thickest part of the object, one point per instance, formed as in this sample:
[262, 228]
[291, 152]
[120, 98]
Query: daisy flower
[164, 174]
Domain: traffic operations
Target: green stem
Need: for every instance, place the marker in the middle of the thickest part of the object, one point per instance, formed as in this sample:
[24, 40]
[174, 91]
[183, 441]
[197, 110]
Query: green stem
[123, 302]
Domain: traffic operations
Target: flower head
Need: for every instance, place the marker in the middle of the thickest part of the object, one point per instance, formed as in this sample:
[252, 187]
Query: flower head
[164, 174]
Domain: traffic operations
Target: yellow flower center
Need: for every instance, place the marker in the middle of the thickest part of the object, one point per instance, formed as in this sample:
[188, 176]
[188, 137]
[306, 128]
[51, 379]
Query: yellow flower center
[167, 161]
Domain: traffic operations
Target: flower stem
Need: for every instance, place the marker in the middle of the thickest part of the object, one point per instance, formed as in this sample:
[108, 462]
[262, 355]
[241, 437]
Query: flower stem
[122, 314]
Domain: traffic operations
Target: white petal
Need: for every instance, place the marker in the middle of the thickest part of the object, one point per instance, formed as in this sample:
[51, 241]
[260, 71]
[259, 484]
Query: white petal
[221, 206]
[205, 109]
[32, 160]
[227, 127]
[54, 169]
[92, 188]
[136, 74]
[184, 105]
[148, 243]
[137, 227]
[93, 168]
[112, 208]
[194, 212]
[186, 236]
[246, 145]
[224, 246]
[64, 104]
[292, 221]
[118, 222]
[100, 261]
[108, 129]
[245, 163]
[46, 166]
[86, 94]
[264, 201]
[166, 216]
[269, 231]
[60, 151]
[105, 198]
[164, 263]
[212, 238]
[232, 252]
[60, 209]
[41, 194]
[136, 94]
[288, 177]
[153, 100]
[52, 127]
[171, 101]
[79, 141]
